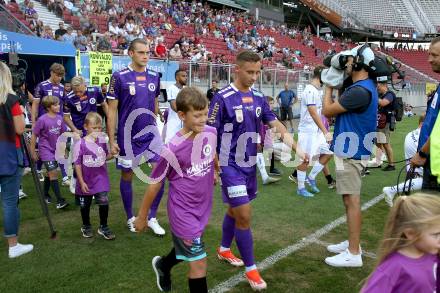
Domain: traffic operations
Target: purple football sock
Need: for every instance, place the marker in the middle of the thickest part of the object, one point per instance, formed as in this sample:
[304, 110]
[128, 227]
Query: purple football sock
[156, 202]
[245, 245]
[228, 230]
[63, 170]
[39, 165]
[127, 197]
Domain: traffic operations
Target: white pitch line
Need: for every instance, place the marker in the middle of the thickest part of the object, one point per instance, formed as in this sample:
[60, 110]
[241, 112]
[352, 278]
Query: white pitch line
[364, 253]
[283, 253]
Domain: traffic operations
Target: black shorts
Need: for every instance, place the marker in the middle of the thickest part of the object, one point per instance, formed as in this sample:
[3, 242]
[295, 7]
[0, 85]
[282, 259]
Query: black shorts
[286, 113]
[189, 250]
[101, 198]
[50, 165]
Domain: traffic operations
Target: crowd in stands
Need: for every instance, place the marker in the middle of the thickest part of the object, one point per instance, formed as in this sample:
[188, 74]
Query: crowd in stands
[152, 21]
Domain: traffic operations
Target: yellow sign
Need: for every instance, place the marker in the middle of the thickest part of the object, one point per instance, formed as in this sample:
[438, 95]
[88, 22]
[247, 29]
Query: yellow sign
[430, 87]
[100, 68]
[78, 62]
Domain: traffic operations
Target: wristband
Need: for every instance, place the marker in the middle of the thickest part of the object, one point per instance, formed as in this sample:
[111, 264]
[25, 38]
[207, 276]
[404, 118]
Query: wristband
[423, 155]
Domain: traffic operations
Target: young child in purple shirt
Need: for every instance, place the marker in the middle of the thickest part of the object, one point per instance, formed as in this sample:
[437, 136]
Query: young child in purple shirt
[48, 129]
[91, 154]
[188, 161]
[409, 251]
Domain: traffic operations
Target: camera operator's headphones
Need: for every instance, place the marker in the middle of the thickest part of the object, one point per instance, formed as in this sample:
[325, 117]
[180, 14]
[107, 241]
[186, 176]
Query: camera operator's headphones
[358, 62]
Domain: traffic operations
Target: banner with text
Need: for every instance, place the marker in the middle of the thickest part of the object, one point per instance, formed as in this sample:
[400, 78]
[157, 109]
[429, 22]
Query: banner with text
[100, 68]
[166, 68]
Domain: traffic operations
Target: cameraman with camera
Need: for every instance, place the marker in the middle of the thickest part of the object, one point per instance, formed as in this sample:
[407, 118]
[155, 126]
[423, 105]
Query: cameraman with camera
[356, 115]
[386, 120]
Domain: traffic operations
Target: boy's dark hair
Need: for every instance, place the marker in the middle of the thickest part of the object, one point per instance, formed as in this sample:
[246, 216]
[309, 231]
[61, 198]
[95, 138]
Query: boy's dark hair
[317, 71]
[57, 68]
[177, 72]
[247, 56]
[191, 98]
[137, 41]
[48, 101]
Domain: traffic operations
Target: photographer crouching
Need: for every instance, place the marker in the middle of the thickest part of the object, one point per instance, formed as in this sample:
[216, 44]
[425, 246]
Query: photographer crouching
[355, 127]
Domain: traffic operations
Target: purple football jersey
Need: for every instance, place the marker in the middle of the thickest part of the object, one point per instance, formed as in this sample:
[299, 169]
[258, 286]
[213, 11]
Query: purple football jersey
[78, 108]
[188, 164]
[91, 156]
[136, 93]
[399, 273]
[48, 129]
[238, 116]
[46, 88]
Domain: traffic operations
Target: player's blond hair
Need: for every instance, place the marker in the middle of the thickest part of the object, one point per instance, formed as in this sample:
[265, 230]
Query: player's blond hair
[93, 118]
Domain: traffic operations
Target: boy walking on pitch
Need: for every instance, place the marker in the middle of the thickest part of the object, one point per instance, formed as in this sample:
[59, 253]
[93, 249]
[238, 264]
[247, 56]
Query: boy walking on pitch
[188, 161]
[47, 129]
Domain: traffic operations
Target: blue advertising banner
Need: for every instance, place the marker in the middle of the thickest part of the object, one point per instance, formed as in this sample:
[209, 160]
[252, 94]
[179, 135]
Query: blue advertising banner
[24, 44]
[167, 68]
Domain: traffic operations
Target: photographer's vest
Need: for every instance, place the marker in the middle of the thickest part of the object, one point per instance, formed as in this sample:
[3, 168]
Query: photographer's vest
[10, 157]
[351, 128]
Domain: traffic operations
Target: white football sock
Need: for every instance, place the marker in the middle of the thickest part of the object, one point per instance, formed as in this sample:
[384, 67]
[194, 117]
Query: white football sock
[315, 170]
[261, 166]
[301, 175]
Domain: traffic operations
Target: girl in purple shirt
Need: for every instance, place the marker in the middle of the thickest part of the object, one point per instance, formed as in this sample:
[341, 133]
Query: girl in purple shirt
[408, 258]
[90, 155]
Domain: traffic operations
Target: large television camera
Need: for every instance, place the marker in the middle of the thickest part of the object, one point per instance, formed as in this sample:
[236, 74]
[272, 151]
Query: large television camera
[382, 68]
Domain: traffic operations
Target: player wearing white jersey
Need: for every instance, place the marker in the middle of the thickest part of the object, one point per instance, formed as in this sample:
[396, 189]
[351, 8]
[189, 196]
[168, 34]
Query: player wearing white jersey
[313, 137]
[410, 146]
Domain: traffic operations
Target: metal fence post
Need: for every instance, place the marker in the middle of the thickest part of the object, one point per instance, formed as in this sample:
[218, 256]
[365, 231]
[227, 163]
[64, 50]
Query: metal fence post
[229, 73]
[190, 74]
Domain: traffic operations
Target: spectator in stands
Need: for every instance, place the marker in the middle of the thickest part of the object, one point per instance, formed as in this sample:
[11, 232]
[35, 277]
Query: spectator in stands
[122, 44]
[68, 36]
[104, 43]
[80, 41]
[38, 29]
[30, 12]
[61, 30]
[113, 28]
[175, 53]
[160, 51]
[47, 33]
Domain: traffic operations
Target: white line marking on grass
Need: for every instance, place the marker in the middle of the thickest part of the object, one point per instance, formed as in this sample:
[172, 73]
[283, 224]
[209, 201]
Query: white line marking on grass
[364, 253]
[283, 253]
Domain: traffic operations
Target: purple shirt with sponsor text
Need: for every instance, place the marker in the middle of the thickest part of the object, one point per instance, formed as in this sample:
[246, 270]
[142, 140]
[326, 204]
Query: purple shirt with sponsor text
[399, 273]
[238, 117]
[91, 156]
[188, 164]
[136, 93]
[79, 107]
[46, 88]
[48, 130]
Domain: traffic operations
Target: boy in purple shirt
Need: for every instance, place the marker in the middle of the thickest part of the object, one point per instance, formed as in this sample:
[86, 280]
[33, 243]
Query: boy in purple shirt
[408, 256]
[90, 155]
[48, 129]
[188, 161]
[81, 101]
[237, 112]
[50, 87]
[133, 96]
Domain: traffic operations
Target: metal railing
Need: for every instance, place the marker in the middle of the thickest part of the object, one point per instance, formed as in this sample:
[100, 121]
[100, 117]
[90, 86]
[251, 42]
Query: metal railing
[10, 23]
